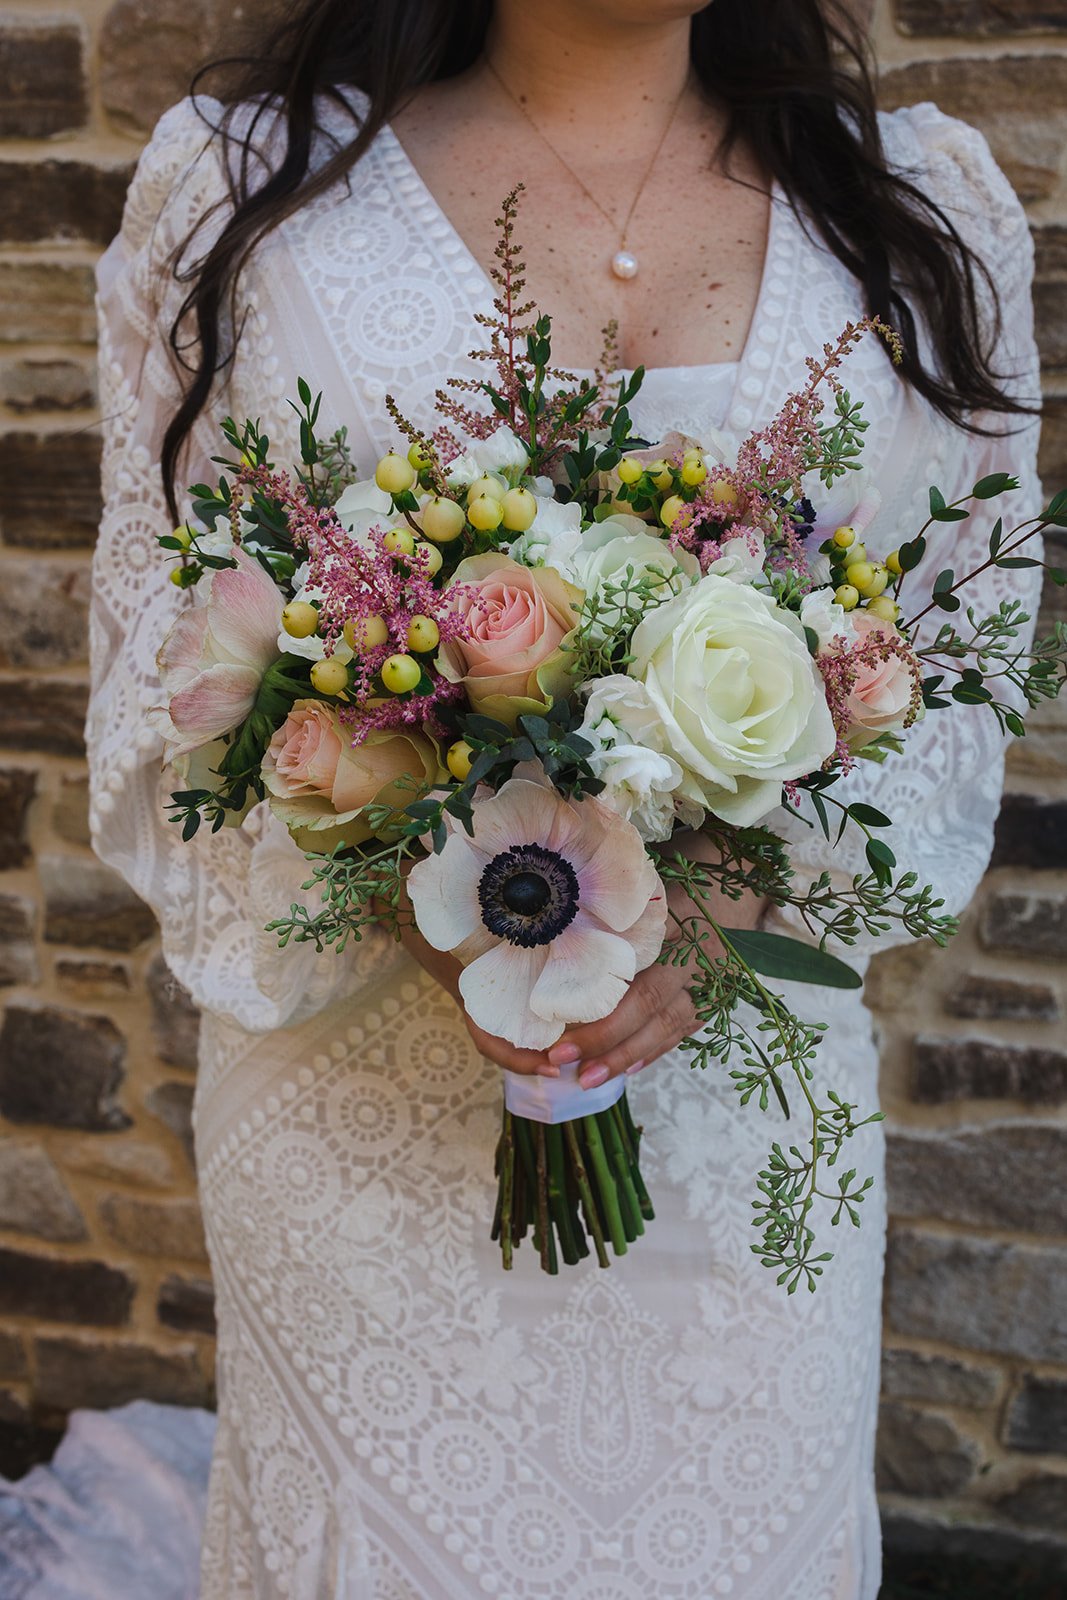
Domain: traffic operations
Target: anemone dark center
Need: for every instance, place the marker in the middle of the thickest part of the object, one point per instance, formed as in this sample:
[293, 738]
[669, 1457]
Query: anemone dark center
[528, 895]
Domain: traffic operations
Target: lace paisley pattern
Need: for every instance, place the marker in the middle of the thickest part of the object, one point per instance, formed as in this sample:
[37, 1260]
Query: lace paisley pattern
[398, 1419]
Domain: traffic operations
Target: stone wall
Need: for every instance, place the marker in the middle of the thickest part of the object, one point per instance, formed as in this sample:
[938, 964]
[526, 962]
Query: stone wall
[104, 1290]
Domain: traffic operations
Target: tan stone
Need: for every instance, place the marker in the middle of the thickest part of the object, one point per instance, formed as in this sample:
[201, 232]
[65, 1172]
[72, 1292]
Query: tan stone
[167, 1228]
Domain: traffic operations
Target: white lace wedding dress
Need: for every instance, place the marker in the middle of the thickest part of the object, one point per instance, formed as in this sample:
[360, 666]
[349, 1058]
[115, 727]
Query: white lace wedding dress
[398, 1419]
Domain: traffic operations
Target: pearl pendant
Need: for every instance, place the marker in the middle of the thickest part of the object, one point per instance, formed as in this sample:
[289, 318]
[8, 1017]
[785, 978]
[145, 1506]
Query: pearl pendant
[624, 264]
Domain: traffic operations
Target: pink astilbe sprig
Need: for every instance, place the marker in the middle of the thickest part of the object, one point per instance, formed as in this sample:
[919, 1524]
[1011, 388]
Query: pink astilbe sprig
[841, 663]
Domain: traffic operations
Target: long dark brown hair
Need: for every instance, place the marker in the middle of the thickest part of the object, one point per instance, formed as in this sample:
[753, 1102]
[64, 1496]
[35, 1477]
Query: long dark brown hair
[794, 78]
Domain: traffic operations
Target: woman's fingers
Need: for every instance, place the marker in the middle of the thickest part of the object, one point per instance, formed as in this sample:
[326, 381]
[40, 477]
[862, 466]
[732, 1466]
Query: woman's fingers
[648, 991]
[660, 1032]
[509, 1055]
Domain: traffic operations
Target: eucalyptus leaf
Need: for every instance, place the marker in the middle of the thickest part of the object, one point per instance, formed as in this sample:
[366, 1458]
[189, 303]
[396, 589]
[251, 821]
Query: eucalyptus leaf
[777, 956]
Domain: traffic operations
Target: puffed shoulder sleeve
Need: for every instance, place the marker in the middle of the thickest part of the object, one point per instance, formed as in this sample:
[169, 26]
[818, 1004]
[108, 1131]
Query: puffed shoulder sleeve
[214, 895]
[943, 793]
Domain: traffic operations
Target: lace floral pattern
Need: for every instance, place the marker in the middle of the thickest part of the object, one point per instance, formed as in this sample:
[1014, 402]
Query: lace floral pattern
[399, 1421]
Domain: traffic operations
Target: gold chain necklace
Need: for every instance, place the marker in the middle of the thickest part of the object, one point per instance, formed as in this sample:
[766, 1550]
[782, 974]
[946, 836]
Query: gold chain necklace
[624, 264]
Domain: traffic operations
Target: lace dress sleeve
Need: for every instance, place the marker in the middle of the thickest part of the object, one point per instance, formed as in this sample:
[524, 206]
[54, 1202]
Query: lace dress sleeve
[213, 896]
[943, 793]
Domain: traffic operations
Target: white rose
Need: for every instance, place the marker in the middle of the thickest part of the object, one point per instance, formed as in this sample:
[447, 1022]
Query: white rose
[640, 779]
[820, 612]
[622, 544]
[742, 558]
[361, 507]
[739, 697]
[552, 539]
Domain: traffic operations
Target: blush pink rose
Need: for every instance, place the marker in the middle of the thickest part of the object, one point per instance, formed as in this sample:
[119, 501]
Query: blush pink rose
[517, 618]
[881, 697]
[318, 783]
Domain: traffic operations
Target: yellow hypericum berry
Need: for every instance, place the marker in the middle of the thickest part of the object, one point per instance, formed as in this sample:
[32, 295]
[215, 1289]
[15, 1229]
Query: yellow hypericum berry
[485, 513]
[520, 508]
[880, 580]
[366, 634]
[843, 537]
[300, 619]
[882, 606]
[459, 759]
[488, 484]
[423, 634]
[400, 673]
[442, 520]
[630, 470]
[723, 493]
[177, 576]
[394, 473]
[847, 596]
[856, 553]
[860, 574]
[329, 676]
[184, 536]
[694, 471]
[432, 559]
[399, 542]
[661, 475]
[671, 510]
[892, 561]
[417, 457]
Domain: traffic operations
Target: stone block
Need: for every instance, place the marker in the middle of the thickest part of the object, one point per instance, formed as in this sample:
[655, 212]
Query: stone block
[61, 202]
[175, 1018]
[70, 814]
[12, 1355]
[945, 1380]
[92, 980]
[893, 975]
[29, 384]
[921, 1453]
[45, 714]
[1026, 130]
[33, 1197]
[18, 951]
[83, 1372]
[121, 1161]
[981, 1294]
[172, 1103]
[43, 89]
[68, 517]
[985, 998]
[85, 903]
[62, 1068]
[1052, 460]
[1032, 924]
[44, 612]
[945, 1070]
[55, 1290]
[149, 50]
[1030, 833]
[1037, 1416]
[169, 1228]
[47, 300]
[978, 17]
[1038, 1502]
[966, 1557]
[17, 789]
[187, 1304]
[997, 1176]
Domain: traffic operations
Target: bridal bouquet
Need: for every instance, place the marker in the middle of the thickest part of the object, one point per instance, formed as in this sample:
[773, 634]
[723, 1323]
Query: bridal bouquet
[505, 685]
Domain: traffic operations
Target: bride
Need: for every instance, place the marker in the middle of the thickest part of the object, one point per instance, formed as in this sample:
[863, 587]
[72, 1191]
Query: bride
[398, 1420]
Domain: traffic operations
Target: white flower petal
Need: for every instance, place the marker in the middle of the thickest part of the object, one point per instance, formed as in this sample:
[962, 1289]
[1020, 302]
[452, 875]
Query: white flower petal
[586, 974]
[444, 892]
[496, 990]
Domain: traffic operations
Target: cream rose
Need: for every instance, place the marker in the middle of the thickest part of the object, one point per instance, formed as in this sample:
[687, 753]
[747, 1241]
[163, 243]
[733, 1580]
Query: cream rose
[318, 782]
[881, 697]
[742, 703]
[609, 548]
[518, 617]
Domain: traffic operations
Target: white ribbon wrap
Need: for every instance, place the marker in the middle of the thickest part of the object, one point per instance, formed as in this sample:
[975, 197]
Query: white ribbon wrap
[559, 1099]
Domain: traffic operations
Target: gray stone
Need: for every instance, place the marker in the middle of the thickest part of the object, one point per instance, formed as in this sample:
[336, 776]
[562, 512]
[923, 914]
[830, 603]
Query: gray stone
[17, 789]
[172, 1103]
[84, 1372]
[1031, 832]
[44, 612]
[12, 1356]
[912, 1375]
[987, 998]
[921, 1453]
[945, 1070]
[1037, 1416]
[1037, 1502]
[980, 1294]
[92, 980]
[18, 951]
[934, 1550]
[175, 1018]
[122, 1161]
[187, 1304]
[63, 1068]
[53, 1289]
[69, 515]
[1033, 924]
[43, 88]
[61, 202]
[88, 904]
[1002, 1175]
[169, 1228]
[979, 16]
[46, 714]
[33, 1197]
[29, 384]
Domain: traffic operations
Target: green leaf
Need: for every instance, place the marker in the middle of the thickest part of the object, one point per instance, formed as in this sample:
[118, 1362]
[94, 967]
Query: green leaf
[776, 956]
[1018, 561]
[909, 555]
[996, 483]
[868, 816]
[937, 502]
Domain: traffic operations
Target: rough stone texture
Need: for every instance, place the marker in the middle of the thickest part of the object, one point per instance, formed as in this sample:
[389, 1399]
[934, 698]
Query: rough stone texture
[1031, 924]
[169, 1228]
[86, 904]
[70, 814]
[31, 384]
[172, 1104]
[63, 1068]
[17, 789]
[81, 1372]
[944, 1380]
[43, 88]
[999, 1176]
[970, 17]
[45, 714]
[1031, 833]
[1002, 999]
[921, 1549]
[45, 300]
[978, 1294]
[987, 1069]
[33, 1197]
[92, 980]
[128, 1161]
[12, 1356]
[176, 1020]
[61, 202]
[56, 1290]
[187, 1304]
[1038, 1502]
[44, 613]
[69, 515]
[920, 1453]
[150, 49]
[18, 953]
[1037, 1416]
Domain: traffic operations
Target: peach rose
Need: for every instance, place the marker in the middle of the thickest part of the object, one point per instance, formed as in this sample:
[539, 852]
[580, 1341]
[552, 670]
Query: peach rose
[518, 618]
[319, 783]
[881, 697]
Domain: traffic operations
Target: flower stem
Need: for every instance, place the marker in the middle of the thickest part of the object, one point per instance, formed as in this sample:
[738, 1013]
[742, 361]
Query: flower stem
[630, 1136]
[581, 1178]
[549, 1261]
[605, 1184]
[572, 1243]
